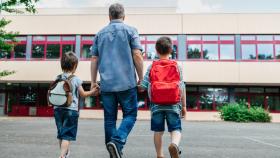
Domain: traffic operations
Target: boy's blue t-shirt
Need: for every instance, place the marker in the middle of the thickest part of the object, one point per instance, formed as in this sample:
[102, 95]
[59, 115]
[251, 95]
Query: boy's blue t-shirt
[76, 83]
[176, 108]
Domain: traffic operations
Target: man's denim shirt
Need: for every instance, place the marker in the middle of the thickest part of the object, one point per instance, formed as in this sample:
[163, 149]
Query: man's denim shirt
[113, 46]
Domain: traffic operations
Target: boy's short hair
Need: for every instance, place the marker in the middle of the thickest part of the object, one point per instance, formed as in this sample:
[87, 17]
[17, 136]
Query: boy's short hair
[69, 61]
[164, 45]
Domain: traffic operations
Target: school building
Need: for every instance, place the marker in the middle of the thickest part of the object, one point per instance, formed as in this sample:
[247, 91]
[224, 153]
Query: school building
[224, 57]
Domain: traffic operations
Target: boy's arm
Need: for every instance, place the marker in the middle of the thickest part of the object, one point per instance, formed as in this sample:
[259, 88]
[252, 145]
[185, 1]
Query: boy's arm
[83, 93]
[184, 104]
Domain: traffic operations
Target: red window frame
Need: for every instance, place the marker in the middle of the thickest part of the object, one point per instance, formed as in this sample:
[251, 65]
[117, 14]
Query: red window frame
[255, 42]
[45, 42]
[85, 42]
[145, 42]
[219, 42]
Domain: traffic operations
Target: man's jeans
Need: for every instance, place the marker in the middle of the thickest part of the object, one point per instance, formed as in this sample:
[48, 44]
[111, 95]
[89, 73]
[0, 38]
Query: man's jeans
[128, 101]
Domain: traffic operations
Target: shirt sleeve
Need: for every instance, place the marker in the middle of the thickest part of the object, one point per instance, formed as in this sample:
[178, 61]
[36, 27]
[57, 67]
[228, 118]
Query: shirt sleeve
[94, 51]
[135, 40]
[146, 81]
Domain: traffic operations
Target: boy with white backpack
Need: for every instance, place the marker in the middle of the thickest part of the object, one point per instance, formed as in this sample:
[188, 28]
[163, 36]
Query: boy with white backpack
[64, 96]
[166, 90]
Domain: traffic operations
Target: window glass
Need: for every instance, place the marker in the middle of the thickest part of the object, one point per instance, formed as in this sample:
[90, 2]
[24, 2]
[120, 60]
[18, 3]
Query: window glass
[241, 90]
[191, 89]
[141, 100]
[191, 101]
[173, 55]
[86, 51]
[242, 99]
[151, 52]
[277, 51]
[53, 51]
[5, 55]
[193, 38]
[220, 100]
[87, 38]
[272, 90]
[142, 38]
[21, 38]
[156, 37]
[210, 38]
[277, 37]
[206, 102]
[53, 38]
[38, 51]
[194, 51]
[265, 51]
[68, 38]
[226, 38]
[20, 50]
[265, 38]
[273, 103]
[248, 51]
[210, 51]
[256, 90]
[227, 52]
[257, 101]
[28, 94]
[68, 47]
[38, 38]
[248, 38]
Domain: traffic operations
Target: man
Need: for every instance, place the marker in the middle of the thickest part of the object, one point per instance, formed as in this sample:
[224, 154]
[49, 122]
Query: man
[117, 53]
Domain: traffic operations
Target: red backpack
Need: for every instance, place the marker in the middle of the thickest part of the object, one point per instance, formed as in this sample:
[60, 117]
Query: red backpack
[165, 82]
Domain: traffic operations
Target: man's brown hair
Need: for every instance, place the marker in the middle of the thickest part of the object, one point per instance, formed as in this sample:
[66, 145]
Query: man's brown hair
[69, 62]
[164, 45]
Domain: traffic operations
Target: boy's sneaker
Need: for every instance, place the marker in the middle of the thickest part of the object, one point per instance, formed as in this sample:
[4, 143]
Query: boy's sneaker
[113, 150]
[174, 151]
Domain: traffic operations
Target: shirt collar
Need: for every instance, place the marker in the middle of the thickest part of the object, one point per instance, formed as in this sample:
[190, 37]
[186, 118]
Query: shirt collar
[116, 21]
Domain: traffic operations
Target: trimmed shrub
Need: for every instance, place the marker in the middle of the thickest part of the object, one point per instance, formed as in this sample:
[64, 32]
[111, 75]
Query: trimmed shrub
[240, 113]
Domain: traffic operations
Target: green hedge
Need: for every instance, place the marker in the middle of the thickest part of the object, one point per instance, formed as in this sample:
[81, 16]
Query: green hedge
[240, 113]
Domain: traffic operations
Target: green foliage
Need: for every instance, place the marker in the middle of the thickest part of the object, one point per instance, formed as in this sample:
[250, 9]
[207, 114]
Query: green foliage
[10, 7]
[6, 73]
[240, 113]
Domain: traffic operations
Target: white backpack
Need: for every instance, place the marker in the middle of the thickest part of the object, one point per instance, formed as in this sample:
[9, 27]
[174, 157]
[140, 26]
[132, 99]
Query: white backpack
[60, 92]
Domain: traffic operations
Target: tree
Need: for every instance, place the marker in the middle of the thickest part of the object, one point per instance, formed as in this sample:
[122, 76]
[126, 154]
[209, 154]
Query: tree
[10, 6]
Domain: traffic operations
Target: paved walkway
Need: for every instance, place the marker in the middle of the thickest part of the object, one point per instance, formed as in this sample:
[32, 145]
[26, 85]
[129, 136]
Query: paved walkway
[35, 137]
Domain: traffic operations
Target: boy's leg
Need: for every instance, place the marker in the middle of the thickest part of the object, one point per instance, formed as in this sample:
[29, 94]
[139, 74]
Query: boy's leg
[157, 125]
[158, 143]
[176, 137]
[174, 127]
[64, 147]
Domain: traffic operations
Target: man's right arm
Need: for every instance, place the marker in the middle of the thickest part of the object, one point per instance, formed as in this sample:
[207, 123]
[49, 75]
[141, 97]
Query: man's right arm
[93, 69]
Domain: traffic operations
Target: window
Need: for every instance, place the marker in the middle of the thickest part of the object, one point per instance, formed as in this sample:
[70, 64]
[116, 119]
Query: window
[213, 47]
[52, 47]
[53, 51]
[194, 51]
[86, 46]
[20, 51]
[210, 51]
[264, 38]
[28, 94]
[265, 51]
[148, 45]
[248, 51]
[227, 52]
[277, 51]
[38, 51]
[191, 102]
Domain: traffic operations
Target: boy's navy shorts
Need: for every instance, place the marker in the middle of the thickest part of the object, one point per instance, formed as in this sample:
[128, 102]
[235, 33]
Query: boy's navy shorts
[67, 123]
[173, 121]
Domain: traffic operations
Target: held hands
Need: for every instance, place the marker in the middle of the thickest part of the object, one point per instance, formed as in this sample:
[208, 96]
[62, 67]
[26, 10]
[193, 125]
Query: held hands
[140, 89]
[95, 89]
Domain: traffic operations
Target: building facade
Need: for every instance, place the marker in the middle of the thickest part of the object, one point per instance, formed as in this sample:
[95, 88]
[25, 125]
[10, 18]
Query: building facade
[225, 57]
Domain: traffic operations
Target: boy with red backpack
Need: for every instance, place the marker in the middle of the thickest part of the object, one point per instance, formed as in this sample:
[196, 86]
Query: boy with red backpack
[166, 90]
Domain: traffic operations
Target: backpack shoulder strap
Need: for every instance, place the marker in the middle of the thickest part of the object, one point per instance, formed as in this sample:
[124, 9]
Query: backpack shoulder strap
[70, 77]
